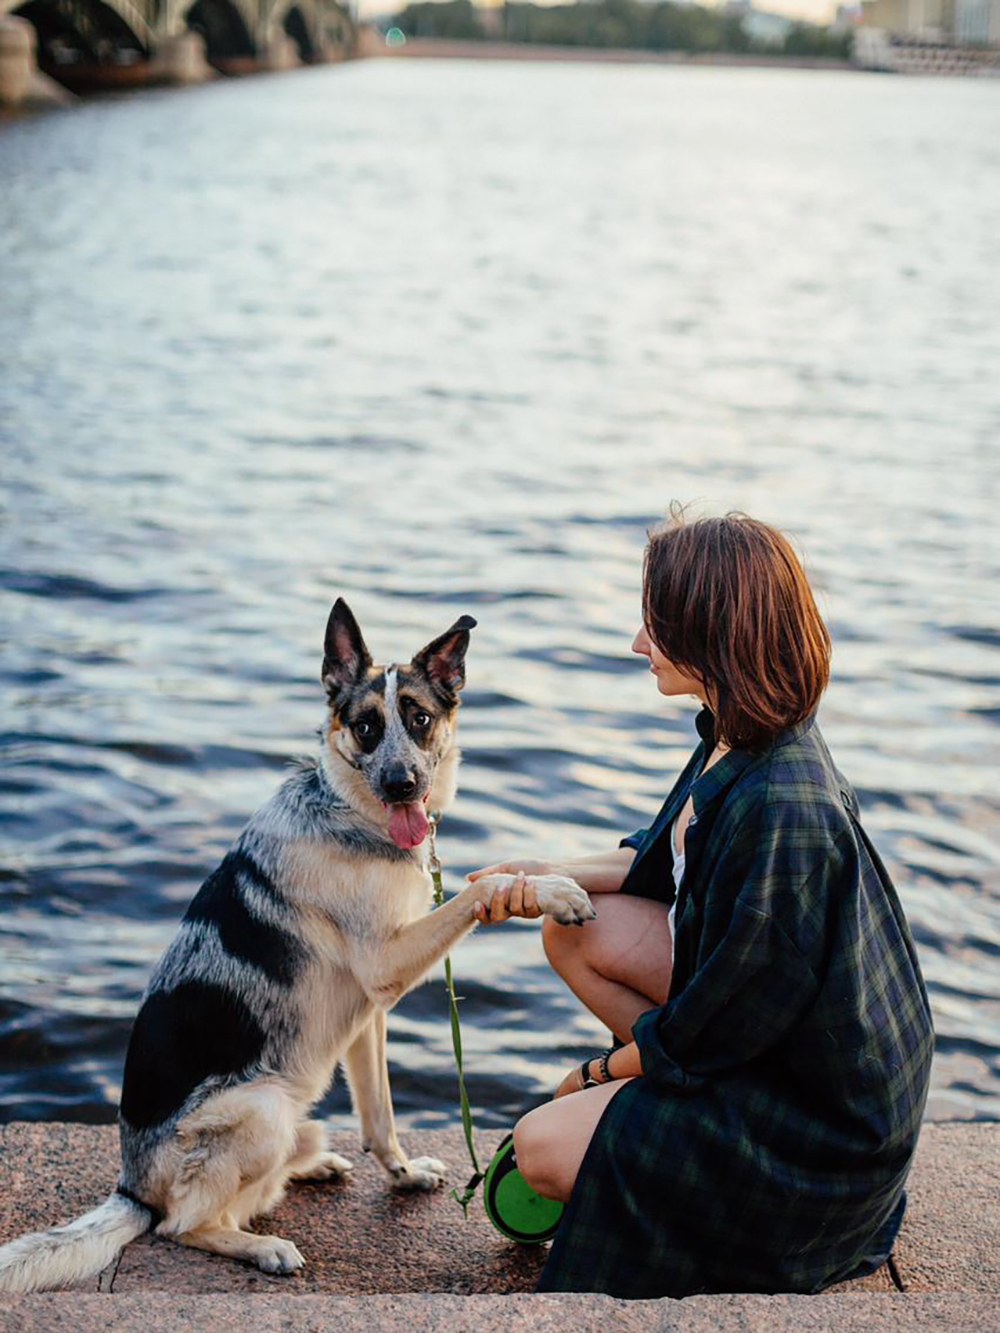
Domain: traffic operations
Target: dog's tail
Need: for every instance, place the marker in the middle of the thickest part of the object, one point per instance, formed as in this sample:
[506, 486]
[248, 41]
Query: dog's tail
[74, 1252]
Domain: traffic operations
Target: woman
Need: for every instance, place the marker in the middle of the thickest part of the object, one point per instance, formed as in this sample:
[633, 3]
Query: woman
[754, 1129]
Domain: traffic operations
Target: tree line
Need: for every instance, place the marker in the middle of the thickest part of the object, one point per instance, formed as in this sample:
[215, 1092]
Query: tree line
[621, 24]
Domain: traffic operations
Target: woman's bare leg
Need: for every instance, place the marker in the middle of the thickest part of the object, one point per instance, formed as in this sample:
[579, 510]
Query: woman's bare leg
[618, 965]
[551, 1141]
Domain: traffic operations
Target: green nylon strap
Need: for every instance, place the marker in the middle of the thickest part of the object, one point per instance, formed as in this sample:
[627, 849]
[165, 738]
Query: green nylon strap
[469, 1193]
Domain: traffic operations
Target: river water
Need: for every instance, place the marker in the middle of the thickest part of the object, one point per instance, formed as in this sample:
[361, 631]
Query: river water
[445, 338]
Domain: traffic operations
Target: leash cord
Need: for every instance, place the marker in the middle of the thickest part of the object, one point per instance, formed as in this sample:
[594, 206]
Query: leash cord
[469, 1193]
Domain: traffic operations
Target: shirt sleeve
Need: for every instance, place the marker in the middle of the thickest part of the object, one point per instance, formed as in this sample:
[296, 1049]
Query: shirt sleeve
[753, 981]
[634, 839]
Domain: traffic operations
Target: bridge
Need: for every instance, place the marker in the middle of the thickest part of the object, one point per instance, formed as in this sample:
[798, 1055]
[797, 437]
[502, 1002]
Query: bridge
[121, 43]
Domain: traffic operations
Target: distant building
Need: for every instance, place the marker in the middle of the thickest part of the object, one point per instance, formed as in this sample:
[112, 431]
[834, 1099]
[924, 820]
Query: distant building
[977, 22]
[966, 22]
[847, 19]
[910, 18]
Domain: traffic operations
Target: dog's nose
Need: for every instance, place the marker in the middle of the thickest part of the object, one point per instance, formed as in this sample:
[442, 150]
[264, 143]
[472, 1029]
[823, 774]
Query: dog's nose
[398, 784]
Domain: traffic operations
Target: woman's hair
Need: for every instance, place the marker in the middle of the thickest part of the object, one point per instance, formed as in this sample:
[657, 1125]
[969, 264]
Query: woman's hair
[727, 600]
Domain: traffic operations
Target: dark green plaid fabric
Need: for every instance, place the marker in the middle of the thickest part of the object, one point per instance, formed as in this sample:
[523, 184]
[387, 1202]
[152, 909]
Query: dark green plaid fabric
[766, 1146]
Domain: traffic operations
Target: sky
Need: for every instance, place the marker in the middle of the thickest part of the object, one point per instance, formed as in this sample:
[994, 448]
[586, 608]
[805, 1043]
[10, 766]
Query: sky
[815, 11]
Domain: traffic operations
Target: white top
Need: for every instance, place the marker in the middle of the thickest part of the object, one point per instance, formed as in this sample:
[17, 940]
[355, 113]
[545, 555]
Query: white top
[678, 874]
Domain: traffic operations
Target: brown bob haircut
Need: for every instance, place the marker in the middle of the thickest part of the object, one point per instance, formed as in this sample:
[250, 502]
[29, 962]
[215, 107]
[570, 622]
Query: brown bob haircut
[727, 601]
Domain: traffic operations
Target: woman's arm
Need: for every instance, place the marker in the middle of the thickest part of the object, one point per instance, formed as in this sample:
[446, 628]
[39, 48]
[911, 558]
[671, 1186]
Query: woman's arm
[602, 873]
[622, 1063]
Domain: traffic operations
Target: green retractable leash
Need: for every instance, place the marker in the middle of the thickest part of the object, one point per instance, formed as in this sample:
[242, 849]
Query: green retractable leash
[511, 1204]
[469, 1193]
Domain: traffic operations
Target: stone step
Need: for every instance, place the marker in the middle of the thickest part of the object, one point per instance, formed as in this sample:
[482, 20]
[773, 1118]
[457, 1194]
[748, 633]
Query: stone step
[866, 1312]
[384, 1258]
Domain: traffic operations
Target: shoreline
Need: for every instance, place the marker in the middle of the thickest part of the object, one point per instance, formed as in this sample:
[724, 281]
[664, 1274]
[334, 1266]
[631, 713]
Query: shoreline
[371, 46]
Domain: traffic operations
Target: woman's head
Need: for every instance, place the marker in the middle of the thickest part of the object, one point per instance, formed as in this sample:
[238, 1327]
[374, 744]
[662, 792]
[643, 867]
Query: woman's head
[728, 614]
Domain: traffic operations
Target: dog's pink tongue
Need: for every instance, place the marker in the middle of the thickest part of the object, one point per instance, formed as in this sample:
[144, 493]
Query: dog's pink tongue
[407, 824]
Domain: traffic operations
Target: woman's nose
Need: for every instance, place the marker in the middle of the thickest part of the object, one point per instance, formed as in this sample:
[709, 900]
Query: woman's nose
[640, 644]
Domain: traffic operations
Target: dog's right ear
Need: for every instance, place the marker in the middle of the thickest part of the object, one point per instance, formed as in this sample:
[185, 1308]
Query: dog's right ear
[443, 661]
[345, 655]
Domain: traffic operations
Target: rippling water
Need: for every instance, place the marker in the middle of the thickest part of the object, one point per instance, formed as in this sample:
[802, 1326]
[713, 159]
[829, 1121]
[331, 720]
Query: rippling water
[445, 338]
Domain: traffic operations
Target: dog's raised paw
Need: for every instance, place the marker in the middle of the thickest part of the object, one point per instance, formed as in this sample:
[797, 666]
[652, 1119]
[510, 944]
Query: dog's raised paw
[274, 1255]
[422, 1174]
[562, 899]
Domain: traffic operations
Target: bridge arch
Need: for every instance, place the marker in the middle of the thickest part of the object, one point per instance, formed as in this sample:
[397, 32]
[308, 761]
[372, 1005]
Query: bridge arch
[317, 27]
[107, 43]
[94, 31]
[299, 20]
[228, 28]
[298, 28]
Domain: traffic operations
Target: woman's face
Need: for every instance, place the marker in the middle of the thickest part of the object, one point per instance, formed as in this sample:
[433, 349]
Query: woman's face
[668, 679]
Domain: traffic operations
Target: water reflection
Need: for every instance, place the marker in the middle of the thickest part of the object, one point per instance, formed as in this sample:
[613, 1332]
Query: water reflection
[448, 338]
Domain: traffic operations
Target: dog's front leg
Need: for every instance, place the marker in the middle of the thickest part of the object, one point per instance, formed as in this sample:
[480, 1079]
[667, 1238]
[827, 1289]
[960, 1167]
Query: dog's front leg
[405, 958]
[368, 1077]
[408, 956]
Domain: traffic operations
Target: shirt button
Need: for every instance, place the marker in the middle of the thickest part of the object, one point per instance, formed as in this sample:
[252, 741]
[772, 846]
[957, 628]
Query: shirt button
[692, 821]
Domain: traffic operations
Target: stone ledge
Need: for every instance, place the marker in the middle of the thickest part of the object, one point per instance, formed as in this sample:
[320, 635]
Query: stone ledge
[848, 1313]
[362, 1241]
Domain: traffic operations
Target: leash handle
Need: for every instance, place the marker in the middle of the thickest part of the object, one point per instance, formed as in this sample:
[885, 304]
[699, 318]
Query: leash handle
[468, 1194]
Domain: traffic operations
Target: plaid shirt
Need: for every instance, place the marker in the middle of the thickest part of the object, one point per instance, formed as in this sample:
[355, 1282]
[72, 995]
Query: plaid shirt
[766, 1145]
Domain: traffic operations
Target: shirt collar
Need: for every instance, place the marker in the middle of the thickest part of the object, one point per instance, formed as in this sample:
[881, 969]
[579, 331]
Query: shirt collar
[705, 724]
[724, 772]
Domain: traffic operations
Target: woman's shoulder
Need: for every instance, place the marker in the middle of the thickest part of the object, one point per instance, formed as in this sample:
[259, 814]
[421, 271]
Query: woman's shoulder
[789, 828]
[794, 787]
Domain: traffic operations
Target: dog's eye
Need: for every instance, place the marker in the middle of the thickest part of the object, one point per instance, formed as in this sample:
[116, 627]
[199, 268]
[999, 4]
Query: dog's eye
[362, 729]
[421, 719]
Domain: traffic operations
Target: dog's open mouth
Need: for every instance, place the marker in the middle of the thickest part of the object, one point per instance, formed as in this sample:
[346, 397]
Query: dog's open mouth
[408, 824]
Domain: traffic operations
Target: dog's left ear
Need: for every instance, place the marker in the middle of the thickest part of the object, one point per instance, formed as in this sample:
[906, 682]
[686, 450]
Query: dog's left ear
[443, 660]
[345, 654]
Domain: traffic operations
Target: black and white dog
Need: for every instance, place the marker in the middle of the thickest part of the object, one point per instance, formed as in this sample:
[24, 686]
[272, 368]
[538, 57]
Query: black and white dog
[285, 963]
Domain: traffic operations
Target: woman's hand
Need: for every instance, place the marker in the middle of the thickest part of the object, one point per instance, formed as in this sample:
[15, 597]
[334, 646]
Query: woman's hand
[522, 865]
[518, 899]
[573, 1082]
[602, 873]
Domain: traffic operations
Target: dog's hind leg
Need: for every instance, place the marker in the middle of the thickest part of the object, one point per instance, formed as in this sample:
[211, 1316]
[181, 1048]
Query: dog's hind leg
[232, 1161]
[271, 1254]
[312, 1158]
[368, 1079]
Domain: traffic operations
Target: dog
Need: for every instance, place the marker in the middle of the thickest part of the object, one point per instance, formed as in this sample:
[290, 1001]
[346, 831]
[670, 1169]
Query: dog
[287, 960]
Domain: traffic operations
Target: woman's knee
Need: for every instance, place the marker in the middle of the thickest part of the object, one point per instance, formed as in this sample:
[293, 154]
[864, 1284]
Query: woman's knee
[561, 943]
[568, 948]
[537, 1155]
[630, 943]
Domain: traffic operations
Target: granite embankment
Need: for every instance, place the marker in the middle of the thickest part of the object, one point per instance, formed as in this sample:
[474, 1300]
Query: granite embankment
[378, 1260]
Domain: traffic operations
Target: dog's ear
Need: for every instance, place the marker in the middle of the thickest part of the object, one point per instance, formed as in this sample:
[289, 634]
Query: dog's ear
[345, 655]
[443, 660]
